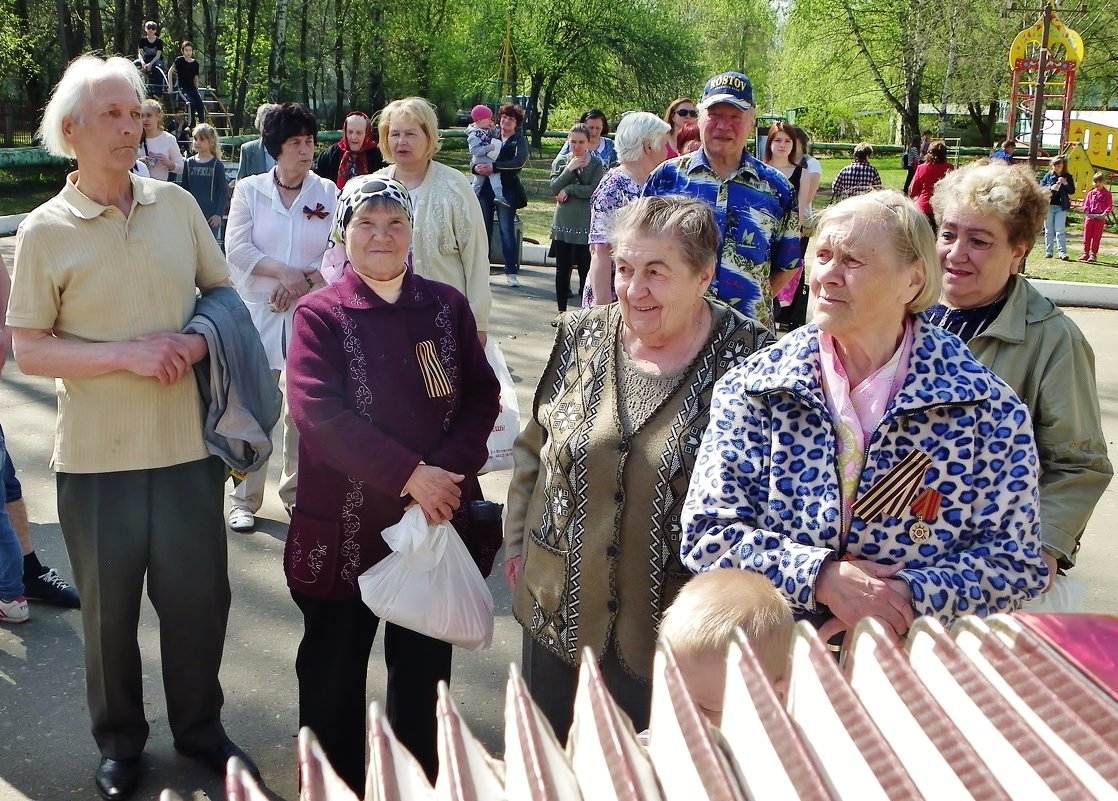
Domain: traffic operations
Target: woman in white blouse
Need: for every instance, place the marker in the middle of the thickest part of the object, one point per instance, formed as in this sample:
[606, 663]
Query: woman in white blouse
[158, 150]
[279, 226]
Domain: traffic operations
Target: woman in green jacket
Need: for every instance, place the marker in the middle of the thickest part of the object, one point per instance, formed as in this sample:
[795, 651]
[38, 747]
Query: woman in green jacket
[989, 216]
[574, 177]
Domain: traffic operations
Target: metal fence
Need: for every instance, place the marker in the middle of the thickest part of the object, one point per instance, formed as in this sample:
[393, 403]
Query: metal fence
[18, 122]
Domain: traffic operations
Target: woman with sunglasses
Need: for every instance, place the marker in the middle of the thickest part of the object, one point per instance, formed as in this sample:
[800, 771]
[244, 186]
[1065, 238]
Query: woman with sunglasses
[681, 111]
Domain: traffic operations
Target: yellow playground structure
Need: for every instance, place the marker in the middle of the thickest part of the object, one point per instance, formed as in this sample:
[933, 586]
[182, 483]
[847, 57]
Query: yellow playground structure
[1089, 148]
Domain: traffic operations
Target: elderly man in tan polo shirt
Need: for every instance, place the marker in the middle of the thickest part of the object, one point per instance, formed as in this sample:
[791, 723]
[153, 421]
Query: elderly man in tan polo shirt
[105, 279]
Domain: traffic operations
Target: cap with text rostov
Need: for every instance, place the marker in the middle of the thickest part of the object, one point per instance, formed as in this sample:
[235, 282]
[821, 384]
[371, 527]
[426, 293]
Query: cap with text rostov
[729, 87]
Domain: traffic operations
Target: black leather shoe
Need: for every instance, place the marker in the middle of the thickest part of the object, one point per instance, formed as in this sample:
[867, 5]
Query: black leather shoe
[217, 756]
[117, 779]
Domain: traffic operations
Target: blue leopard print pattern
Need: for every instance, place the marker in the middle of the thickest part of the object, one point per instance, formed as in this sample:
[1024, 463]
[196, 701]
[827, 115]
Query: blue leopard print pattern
[765, 494]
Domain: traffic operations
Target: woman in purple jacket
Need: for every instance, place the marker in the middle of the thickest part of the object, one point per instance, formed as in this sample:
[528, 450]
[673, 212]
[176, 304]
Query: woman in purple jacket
[394, 401]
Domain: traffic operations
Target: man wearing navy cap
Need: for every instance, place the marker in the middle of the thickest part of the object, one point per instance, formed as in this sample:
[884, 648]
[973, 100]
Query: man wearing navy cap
[754, 204]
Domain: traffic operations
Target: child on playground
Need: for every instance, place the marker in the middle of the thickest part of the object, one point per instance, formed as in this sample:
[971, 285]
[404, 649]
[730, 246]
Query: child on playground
[187, 68]
[485, 145]
[699, 627]
[204, 176]
[1096, 206]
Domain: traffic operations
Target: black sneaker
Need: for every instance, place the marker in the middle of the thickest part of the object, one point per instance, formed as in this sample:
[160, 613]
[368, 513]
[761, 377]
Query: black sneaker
[50, 588]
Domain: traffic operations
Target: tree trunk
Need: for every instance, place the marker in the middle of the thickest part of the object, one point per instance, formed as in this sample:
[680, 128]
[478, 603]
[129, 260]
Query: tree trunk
[96, 26]
[534, 90]
[190, 29]
[339, 64]
[351, 95]
[545, 113]
[246, 64]
[209, 27]
[984, 120]
[277, 58]
[304, 71]
[61, 10]
[32, 85]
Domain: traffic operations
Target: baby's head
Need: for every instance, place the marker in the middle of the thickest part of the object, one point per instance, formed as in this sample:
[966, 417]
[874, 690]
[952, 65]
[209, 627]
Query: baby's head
[699, 627]
[482, 116]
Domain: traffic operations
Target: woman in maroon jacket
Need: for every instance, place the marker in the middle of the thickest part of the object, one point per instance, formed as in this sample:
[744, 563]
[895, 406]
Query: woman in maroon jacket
[394, 401]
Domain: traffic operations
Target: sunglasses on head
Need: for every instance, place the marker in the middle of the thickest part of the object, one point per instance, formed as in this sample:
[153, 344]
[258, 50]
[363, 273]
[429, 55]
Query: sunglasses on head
[686, 112]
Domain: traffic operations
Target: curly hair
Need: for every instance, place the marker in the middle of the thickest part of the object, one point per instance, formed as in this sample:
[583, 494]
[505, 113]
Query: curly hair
[287, 121]
[937, 152]
[990, 186]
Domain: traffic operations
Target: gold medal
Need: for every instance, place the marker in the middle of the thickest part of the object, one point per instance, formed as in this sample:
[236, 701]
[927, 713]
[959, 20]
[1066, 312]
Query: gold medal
[919, 531]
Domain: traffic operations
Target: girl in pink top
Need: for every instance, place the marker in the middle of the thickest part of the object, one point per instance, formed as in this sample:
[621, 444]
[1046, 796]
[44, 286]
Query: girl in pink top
[1096, 206]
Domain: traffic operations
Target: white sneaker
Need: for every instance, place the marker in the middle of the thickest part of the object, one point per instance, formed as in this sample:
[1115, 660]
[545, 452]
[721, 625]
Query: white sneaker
[512, 280]
[241, 519]
[14, 611]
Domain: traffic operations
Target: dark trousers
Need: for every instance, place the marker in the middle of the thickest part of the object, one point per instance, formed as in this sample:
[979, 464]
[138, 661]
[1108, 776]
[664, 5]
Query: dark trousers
[553, 685]
[908, 179]
[166, 524]
[568, 256]
[332, 666]
[196, 108]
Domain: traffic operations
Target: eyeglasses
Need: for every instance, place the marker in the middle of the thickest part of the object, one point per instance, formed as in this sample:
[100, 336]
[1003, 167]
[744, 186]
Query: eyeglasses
[686, 112]
[152, 28]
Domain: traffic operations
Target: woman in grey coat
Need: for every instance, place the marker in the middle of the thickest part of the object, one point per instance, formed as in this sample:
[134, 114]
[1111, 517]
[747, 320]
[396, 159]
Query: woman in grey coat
[574, 177]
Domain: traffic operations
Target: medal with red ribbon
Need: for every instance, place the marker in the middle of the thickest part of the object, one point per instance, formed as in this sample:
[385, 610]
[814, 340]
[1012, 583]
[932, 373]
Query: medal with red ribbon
[926, 509]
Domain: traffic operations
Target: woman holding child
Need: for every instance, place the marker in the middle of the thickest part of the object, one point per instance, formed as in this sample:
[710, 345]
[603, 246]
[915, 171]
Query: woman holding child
[510, 161]
[868, 464]
[592, 534]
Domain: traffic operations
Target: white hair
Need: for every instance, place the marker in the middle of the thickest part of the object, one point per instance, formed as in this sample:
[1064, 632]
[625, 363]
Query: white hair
[636, 129]
[76, 86]
[262, 111]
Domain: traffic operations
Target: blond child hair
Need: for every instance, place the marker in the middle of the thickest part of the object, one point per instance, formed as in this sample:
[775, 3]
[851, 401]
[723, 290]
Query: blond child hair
[700, 623]
[209, 133]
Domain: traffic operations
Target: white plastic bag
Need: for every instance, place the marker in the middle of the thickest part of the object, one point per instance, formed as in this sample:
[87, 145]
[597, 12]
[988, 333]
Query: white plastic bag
[507, 425]
[430, 584]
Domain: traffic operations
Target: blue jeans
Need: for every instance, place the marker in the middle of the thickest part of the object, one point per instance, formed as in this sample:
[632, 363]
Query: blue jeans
[11, 554]
[1055, 225]
[506, 223]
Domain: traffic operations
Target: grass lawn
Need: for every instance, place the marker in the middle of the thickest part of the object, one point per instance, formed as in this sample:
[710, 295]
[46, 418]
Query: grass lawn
[24, 188]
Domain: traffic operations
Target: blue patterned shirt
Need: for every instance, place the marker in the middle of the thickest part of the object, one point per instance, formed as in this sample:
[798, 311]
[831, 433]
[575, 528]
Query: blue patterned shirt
[756, 211]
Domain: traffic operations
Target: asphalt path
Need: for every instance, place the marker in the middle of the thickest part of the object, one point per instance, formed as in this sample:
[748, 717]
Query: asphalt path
[46, 751]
